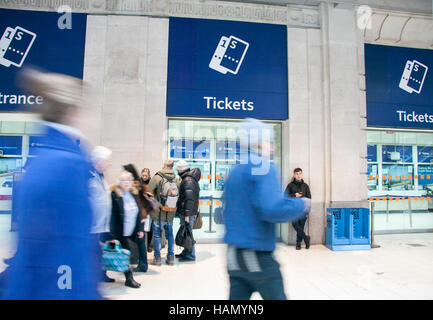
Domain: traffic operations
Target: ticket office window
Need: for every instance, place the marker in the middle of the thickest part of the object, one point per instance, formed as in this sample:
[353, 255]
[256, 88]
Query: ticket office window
[400, 162]
[401, 169]
[11, 162]
[214, 147]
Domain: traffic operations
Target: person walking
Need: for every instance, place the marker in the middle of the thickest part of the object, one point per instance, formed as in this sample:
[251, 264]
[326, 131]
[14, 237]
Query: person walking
[165, 188]
[100, 197]
[299, 189]
[189, 194]
[253, 204]
[57, 257]
[126, 222]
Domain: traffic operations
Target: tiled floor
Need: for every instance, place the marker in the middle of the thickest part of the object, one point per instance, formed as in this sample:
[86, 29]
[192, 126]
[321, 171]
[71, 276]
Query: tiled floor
[400, 269]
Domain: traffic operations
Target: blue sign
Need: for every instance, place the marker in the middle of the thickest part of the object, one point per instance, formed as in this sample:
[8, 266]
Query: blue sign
[401, 153]
[371, 153]
[35, 38]
[227, 69]
[189, 149]
[427, 172]
[399, 87]
[11, 145]
[425, 154]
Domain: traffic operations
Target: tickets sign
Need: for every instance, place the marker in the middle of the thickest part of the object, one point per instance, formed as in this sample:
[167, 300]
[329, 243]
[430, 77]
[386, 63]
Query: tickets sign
[399, 87]
[227, 69]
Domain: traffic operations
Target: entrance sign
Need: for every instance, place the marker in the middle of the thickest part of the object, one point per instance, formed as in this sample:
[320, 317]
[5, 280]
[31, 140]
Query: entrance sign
[34, 38]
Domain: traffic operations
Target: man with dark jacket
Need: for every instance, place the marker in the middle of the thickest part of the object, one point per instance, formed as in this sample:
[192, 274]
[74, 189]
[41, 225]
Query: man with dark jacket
[299, 189]
[189, 193]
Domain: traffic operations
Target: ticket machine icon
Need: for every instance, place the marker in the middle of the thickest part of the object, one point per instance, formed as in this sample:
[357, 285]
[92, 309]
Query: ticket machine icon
[413, 76]
[228, 55]
[15, 44]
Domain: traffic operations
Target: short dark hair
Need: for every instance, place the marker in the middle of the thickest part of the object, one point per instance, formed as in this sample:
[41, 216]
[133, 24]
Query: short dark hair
[297, 170]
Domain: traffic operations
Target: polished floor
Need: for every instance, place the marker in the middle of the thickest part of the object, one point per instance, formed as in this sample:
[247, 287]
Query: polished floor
[400, 269]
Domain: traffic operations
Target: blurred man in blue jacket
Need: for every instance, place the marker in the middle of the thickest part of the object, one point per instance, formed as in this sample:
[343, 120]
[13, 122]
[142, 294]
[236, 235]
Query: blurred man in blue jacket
[254, 203]
[56, 257]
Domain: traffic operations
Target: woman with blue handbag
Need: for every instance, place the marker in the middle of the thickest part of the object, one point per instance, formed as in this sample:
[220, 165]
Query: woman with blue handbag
[126, 218]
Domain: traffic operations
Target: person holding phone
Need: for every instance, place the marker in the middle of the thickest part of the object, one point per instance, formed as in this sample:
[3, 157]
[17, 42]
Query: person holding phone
[299, 189]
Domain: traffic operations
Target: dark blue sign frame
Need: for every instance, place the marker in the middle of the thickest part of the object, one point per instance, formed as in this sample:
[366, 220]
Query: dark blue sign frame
[258, 89]
[392, 76]
[53, 49]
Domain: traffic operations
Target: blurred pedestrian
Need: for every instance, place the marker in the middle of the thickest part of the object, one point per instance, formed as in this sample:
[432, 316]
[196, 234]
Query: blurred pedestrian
[189, 194]
[56, 257]
[126, 222]
[253, 204]
[299, 189]
[165, 188]
[100, 197]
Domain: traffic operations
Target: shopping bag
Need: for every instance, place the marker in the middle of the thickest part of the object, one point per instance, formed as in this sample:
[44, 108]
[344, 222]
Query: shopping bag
[198, 223]
[115, 258]
[184, 237]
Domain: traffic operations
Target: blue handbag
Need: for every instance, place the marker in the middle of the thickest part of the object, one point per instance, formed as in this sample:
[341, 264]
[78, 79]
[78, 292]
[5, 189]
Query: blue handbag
[115, 258]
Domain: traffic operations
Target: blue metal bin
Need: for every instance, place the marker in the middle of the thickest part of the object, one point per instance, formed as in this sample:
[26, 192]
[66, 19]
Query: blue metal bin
[348, 229]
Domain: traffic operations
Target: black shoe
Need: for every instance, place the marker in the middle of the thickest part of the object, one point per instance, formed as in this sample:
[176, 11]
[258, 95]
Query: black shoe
[107, 278]
[156, 262]
[180, 255]
[132, 284]
[298, 246]
[307, 242]
[170, 260]
[140, 269]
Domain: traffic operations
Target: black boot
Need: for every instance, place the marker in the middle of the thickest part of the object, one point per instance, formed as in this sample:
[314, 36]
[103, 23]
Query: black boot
[130, 282]
[106, 278]
[307, 242]
[298, 246]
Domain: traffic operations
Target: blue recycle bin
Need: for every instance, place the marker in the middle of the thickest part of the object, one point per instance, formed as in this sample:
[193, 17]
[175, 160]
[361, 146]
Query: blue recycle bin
[348, 229]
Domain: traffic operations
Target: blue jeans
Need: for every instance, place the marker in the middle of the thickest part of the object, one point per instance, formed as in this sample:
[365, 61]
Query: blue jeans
[189, 253]
[157, 230]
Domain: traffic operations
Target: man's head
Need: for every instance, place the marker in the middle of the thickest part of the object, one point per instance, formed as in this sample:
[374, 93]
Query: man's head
[297, 174]
[62, 95]
[101, 158]
[257, 136]
[181, 166]
[168, 164]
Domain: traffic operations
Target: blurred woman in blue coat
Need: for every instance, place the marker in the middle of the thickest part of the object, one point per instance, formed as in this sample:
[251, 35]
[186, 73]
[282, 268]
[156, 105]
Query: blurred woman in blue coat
[56, 257]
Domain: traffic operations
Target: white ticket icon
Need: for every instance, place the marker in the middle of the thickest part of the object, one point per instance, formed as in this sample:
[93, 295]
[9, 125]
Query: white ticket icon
[228, 55]
[413, 76]
[15, 45]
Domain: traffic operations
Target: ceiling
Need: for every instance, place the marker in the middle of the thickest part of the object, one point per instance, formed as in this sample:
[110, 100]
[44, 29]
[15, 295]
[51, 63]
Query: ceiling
[414, 6]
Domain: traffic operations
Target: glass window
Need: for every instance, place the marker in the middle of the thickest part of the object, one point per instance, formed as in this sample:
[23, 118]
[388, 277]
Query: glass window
[403, 194]
[213, 147]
